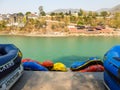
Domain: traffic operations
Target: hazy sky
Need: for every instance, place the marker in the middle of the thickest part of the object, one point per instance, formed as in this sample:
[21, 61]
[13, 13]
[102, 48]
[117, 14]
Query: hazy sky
[13, 6]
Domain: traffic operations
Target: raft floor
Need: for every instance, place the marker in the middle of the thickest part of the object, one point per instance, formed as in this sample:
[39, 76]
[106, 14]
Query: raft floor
[38, 80]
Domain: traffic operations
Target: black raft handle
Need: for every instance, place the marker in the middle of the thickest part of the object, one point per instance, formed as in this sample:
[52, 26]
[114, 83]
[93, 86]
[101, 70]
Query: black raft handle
[116, 58]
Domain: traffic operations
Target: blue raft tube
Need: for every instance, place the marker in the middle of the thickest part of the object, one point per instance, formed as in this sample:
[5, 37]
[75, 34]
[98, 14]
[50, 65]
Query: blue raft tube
[10, 65]
[76, 66]
[112, 68]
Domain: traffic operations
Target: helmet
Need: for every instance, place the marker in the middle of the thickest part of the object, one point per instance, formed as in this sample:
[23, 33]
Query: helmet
[48, 64]
[59, 67]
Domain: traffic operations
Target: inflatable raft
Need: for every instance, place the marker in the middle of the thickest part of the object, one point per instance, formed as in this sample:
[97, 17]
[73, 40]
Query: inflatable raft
[30, 60]
[33, 65]
[10, 59]
[10, 65]
[77, 66]
[93, 68]
[112, 68]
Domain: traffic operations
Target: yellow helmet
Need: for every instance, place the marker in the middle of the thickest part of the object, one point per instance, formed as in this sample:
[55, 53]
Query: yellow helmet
[59, 67]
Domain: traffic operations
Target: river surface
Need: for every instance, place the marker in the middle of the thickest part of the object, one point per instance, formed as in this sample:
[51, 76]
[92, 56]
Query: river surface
[62, 49]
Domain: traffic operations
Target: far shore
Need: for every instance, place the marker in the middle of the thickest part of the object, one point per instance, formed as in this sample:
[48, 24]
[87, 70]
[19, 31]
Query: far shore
[58, 35]
[68, 35]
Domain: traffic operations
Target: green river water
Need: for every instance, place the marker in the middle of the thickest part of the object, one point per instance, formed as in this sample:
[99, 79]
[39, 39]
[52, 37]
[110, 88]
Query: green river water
[62, 49]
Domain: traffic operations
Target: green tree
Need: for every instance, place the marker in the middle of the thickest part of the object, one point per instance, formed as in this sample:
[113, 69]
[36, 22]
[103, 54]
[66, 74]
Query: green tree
[2, 25]
[72, 19]
[27, 13]
[20, 17]
[95, 14]
[25, 19]
[80, 23]
[66, 14]
[104, 14]
[90, 13]
[41, 11]
[116, 23]
[81, 12]
[61, 14]
[70, 12]
[52, 14]
[20, 14]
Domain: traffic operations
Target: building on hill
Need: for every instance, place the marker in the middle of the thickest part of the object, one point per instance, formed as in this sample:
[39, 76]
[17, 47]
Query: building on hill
[32, 16]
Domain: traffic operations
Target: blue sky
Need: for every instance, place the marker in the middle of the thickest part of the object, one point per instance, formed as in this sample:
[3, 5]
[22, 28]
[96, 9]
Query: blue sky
[14, 6]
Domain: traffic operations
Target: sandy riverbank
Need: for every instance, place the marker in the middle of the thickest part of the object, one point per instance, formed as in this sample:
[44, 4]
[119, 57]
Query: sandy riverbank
[69, 35]
[58, 35]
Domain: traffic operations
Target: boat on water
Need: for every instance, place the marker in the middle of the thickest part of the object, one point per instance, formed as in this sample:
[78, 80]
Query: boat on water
[92, 64]
[10, 65]
[112, 68]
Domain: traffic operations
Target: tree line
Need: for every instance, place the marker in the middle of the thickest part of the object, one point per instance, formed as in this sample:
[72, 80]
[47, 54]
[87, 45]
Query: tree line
[88, 18]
